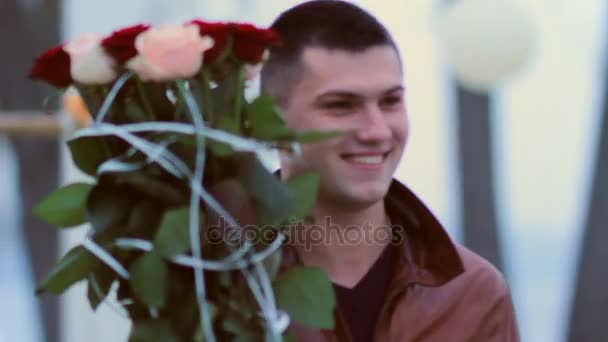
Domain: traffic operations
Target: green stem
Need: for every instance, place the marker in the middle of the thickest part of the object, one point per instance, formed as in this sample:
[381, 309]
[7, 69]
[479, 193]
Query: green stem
[144, 99]
[226, 52]
[207, 102]
[105, 107]
[238, 101]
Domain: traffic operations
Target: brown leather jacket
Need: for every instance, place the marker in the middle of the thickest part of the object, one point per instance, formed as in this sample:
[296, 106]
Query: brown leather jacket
[440, 290]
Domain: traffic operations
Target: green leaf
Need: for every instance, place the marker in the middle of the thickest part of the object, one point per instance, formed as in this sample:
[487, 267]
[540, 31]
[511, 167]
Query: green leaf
[88, 153]
[271, 131]
[306, 137]
[110, 234]
[264, 106]
[228, 124]
[303, 190]
[183, 304]
[220, 149]
[76, 265]
[266, 123]
[152, 186]
[136, 310]
[99, 285]
[307, 295]
[92, 95]
[108, 205]
[66, 206]
[152, 331]
[173, 235]
[144, 219]
[271, 195]
[149, 279]
[289, 336]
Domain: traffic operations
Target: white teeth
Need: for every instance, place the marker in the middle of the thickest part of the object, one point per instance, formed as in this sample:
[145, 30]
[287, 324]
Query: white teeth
[367, 159]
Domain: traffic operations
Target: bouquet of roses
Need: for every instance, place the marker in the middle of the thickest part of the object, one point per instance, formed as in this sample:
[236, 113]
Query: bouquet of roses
[186, 223]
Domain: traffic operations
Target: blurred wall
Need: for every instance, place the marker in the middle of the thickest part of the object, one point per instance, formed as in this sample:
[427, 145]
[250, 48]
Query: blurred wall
[26, 29]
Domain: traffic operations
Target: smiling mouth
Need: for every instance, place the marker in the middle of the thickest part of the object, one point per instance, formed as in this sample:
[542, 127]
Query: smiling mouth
[367, 160]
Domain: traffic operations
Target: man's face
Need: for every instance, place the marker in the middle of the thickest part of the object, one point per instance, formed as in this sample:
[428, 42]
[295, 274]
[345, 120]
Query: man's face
[358, 92]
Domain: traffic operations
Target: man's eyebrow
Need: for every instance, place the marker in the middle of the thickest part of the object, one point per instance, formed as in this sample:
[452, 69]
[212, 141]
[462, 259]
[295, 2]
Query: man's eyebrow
[349, 94]
[398, 88]
[338, 93]
[343, 94]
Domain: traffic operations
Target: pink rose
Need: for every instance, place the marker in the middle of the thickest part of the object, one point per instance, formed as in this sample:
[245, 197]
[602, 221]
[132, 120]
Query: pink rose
[169, 52]
[89, 63]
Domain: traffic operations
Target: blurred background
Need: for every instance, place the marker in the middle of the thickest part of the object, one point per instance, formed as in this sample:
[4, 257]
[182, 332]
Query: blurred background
[509, 147]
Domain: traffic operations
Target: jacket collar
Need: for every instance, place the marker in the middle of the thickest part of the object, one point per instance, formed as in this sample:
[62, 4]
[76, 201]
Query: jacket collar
[428, 256]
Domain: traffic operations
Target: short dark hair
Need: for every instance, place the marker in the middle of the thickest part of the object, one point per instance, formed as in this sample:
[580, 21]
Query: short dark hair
[330, 24]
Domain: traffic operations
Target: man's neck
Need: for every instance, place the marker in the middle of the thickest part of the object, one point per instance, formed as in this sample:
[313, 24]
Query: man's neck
[352, 241]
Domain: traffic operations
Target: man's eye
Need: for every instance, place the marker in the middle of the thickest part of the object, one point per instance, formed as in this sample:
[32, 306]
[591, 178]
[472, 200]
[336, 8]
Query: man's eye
[340, 105]
[391, 101]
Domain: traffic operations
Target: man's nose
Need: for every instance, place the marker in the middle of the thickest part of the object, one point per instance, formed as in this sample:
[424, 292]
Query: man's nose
[374, 126]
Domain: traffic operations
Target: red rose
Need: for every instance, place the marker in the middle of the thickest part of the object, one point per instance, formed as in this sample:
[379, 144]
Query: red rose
[250, 42]
[121, 44]
[53, 67]
[219, 32]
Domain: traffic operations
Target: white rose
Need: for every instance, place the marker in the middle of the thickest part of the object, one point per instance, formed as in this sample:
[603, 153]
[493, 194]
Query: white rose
[89, 63]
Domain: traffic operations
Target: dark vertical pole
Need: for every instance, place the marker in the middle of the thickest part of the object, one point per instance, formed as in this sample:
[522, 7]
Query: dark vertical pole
[25, 33]
[589, 314]
[476, 174]
[474, 128]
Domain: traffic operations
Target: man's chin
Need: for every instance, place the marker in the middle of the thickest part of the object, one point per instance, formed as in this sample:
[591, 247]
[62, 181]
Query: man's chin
[364, 196]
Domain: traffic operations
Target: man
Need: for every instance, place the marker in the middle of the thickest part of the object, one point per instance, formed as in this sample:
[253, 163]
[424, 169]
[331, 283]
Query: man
[338, 68]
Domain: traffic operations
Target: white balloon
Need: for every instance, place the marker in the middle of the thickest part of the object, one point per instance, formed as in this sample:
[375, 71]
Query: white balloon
[486, 41]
